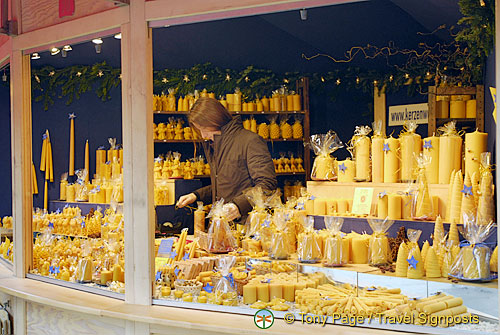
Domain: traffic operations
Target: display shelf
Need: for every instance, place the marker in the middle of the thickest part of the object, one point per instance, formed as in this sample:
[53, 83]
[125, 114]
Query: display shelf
[290, 173]
[180, 141]
[84, 206]
[235, 113]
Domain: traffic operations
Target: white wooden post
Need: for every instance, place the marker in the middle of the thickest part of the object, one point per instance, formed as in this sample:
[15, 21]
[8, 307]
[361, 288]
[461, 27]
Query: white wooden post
[497, 132]
[137, 118]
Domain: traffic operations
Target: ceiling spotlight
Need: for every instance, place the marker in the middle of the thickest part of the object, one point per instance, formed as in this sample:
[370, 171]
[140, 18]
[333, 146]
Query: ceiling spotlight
[4, 76]
[118, 36]
[35, 55]
[98, 44]
[67, 48]
[54, 51]
[303, 14]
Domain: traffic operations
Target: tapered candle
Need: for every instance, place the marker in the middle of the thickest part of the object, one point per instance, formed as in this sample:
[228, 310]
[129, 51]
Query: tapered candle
[44, 152]
[87, 162]
[51, 163]
[475, 144]
[47, 161]
[33, 179]
[431, 150]
[71, 169]
[45, 195]
[391, 160]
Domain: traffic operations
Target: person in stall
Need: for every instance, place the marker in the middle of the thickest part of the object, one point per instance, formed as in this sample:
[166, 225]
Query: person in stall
[239, 159]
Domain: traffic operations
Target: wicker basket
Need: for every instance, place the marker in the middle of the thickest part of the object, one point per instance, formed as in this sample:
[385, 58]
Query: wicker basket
[194, 290]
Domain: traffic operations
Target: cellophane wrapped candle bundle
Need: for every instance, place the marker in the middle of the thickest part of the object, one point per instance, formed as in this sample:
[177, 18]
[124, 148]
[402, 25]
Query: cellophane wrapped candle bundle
[224, 292]
[415, 262]
[486, 204]
[361, 147]
[333, 250]
[450, 151]
[220, 237]
[422, 203]
[309, 243]
[260, 200]
[473, 260]
[280, 244]
[82, 192]
[411, 146]
[377, 153]
[378, 248]
[323, 146]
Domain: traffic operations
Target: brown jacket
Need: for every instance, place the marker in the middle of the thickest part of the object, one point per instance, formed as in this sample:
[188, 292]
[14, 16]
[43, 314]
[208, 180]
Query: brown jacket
[239, 159]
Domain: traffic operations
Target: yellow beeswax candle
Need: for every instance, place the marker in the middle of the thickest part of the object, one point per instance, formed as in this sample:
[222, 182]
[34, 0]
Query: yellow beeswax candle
[87, 166]
[333, 251]
[265, 104]
[346, 171]
[435, 205]
[475, 144]
[432, 268]
[100, 197]
[237, 102]
[70, 193]
[494, 260]
[401, 261]
[379, 246]
[457, 109]
[319, 206]
[417, 271]
[296, 102]
[394, 206]
[382, 206]
[288, 291]
[289, 103]
[46, 196]
[310, 207]
[342, 206]
[276, 290]
[249, 294]
[62, 189]
[362, 154]
[456, 198]
[470, 109]
[331, 207]
[263, 292]
[391, 160]
[71, 169]
[475, 262]
[431, 150]
[410, 145]
[406, 206]
[116, 170]
[378, 160]
[450, 155]
[442, 107]
[84, 270]
[106, 276]
[346, 253]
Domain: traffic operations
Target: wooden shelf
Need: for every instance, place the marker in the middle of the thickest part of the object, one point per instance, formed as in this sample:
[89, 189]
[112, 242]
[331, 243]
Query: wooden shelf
[290, 174]
[179, 141]
[285, 140]
[235, 113]
[458, 121]
[455, 90]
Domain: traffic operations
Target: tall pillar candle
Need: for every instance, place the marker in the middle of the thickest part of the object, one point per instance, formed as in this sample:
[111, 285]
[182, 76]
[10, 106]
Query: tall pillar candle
[377, 160]
[475, 144]
[319, 206]
[394, 206]
[431, 150]
[346, 171]
[71, 168]
[391, 160]
[342, 206]
[470, 109]
[362, 158]
[450, 155]
[457, 109]
[382, 206]
[331, 207]
[87, 166]
[411, 146]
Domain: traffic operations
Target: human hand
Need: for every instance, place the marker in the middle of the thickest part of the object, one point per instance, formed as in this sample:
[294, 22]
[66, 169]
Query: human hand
[233, 212]
[186, 199]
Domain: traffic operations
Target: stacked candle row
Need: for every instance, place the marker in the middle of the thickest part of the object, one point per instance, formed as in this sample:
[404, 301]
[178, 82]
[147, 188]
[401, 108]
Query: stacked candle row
[455, 106]
[109, 164]
[96, 192]
[174, 130]
[171, 167]
[401, 206]
[328, 206]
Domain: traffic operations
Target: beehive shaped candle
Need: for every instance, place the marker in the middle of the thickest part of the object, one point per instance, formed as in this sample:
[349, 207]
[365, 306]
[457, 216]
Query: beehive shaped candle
[432, 269]
[423, 205]
[423, 253]
[411, 146]
[468, 206]
[401, 262]
[456, 198]
[475, 186]
[453, 238]
[297, 129]
[494, 260]
[415, 271]
[475, 145]
[264, 130]
[438, 236]
[391, 160]
[486, 206]
[450, 193]
[447, 263]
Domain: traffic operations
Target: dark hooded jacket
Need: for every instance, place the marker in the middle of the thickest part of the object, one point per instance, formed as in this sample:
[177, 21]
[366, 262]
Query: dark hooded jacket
[239, 159]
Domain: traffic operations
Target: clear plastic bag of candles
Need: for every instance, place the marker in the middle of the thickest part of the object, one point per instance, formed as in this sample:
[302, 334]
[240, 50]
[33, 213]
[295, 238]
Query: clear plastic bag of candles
[486, 202]
[219, 238]
[280, 242]
[82, 192]
[260, 201]
[335, 249]
[473, 260]
[361, 148]
[414, 260]
[422, 208]
[323, 146]
[224, 291]
[309, 243]
[378, 247]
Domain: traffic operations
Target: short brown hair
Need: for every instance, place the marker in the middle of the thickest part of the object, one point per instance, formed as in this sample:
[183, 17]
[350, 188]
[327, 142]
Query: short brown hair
[209, 112]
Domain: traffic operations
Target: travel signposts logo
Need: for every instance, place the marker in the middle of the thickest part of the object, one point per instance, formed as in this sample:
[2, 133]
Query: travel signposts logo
[263, 319]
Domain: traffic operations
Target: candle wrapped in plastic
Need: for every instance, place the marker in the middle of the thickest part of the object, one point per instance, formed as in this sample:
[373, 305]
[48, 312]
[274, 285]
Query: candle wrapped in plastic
[422, 208]
[486, 202]
[260, 200]
[415, 261]
[333, 251]
[309, 243]
[82, 192]
[323, 146]
[224, 292]
[361, 147]
[411, 146]
[473, 260]
[220, 237]
[377, 153]
[450, 151]
[378, 247]
[280, 239]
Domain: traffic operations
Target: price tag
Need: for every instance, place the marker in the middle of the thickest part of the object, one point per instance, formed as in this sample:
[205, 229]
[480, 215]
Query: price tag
[362, 202]
[165, 247]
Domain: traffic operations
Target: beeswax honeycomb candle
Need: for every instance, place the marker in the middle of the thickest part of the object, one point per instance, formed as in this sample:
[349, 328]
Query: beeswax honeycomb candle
[360, 249]
[417, 271]
[453, 238]
[456, 198]
[475, 262]
[70, 193]
[263, 292]
[470, 109]
[431, 151]
[106, 276]
[401, 261]
[378, 160]
[438, 236]
[249, 294]
[346, 171]
[288, 291]
[494, 260]
[382, 206]
[331, 207]
[275, 290]
[432, 268]
[62, 189]
[450, 155]
[342, 206]
[296, 102]
[319, 206]
[457, 109]
[394, 206]
[391, 160]
[362, 161]
[475, 144]
[411, 146]
[468, 206]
